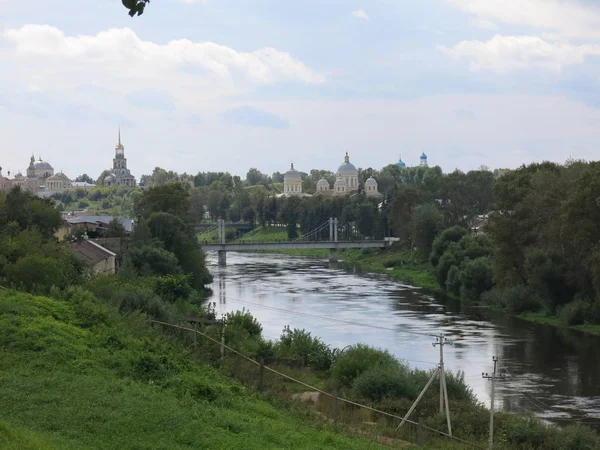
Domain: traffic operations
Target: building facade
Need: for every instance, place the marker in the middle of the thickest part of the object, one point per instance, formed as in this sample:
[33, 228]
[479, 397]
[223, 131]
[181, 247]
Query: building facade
[346, 182]
[120, 174]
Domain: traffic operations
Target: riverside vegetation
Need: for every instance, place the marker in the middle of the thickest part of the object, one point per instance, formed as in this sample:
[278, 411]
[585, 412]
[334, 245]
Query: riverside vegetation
[83, 368]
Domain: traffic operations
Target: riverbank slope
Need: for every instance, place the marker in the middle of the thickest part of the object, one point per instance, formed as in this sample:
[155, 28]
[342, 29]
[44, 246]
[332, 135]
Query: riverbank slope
[78, 375]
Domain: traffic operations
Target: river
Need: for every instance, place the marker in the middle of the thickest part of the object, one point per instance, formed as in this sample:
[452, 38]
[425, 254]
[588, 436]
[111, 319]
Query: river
[554, 373]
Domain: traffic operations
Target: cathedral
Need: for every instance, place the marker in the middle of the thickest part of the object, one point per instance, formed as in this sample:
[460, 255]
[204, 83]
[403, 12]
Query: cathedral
[120, 174]
[346, 182]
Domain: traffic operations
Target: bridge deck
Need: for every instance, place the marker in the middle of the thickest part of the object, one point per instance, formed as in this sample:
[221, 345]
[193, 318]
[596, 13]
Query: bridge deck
[291, 245]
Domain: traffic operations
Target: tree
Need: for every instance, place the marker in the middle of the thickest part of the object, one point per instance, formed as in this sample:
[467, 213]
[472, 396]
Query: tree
[85, 178]
[426, 220]
[135, 7]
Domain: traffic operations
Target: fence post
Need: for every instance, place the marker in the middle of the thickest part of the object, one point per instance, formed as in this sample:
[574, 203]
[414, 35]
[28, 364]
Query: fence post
[420, 433]
[261, 375]
[195, 332]
[334, 407]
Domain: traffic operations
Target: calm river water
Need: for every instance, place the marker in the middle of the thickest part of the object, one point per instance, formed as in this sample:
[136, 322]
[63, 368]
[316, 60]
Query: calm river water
[554, 373]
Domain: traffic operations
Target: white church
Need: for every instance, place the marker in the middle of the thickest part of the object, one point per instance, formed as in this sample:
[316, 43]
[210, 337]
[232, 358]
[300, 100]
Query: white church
[346, 182]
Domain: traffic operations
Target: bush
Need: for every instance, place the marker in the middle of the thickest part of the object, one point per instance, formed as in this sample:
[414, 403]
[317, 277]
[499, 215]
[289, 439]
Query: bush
[243, 320]
[443, 240]
[173, 287]
[384, 381]
[515, 299]
[358, 359]
[476, 277]
[574, 313]
[577, 437]
[521, 432]
[311, 350]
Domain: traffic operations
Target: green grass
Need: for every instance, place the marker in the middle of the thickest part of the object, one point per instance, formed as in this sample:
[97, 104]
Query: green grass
[79, 376]
[267, 234]
[554, 321]
[405, 266]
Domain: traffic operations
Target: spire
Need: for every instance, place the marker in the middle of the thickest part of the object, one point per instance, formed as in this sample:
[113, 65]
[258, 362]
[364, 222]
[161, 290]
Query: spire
[346, 158]
[292, 166]
[119, 145]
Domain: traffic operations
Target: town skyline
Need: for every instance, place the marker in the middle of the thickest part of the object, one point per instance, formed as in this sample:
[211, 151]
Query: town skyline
[223, 85]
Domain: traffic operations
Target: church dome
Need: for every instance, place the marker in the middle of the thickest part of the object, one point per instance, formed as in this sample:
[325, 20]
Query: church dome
[323, 183]
[340, 182]
[347, 168]
[400, 162]
[423, 156]
[292, 174]
[42, 165]
[370, 182]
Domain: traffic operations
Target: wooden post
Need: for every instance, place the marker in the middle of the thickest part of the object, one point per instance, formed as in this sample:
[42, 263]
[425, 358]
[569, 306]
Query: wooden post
[420, 433]
[261, 375]
[334, 407]
[195, 332]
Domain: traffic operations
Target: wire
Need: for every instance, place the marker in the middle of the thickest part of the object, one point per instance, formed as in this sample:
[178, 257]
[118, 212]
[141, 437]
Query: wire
[317, 389]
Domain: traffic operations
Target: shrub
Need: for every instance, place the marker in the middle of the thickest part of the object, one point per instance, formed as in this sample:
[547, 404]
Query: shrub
[515, 299]
[475, 278]
[521, 432]
[443, 240]
[358, 359]
[311, 350]
[243, 320]
[573, 313]
[384, 381]
[577, 437]
[453, 281]
[173, 287]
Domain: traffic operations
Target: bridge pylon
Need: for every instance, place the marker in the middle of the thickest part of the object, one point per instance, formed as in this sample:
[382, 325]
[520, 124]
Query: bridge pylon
[333, 237]
[222, 254]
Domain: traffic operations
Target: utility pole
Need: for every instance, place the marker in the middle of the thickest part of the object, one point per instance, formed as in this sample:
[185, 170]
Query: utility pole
[439, 371]
[494, 376]
[441, 341]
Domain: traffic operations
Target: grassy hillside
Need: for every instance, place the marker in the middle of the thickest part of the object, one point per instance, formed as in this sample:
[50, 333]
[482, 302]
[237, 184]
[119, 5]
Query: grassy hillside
[76, 375]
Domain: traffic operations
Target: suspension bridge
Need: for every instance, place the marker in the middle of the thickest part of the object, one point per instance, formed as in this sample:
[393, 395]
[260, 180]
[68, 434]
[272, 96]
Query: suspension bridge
[330, 235]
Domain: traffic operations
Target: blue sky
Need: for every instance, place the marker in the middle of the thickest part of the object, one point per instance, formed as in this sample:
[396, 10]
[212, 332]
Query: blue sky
[202, 85]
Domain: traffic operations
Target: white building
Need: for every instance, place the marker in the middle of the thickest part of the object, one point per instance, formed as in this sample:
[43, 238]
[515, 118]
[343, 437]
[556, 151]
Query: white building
[346, 182]
[292, 183]
[120, 174]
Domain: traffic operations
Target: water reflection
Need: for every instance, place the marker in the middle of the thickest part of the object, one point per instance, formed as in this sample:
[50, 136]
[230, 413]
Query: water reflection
[554, 372]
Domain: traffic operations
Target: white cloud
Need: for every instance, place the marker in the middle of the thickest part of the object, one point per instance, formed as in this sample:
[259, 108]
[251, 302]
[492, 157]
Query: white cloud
[569, 18]
[361, 14]
[122, 50]
[117, 59]
[484, 24]
[505, 53]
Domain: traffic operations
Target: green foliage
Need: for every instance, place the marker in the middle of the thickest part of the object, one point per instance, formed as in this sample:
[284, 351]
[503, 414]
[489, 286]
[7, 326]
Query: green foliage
[147, 260]
[173, 287]
[359, 358]
[475, 279]
[243, 320]
[312, 351]
[516, 299]
[546, 275]
[118, 383]
[443, 240]
[574, 313]
[384, 381]
[427, 221]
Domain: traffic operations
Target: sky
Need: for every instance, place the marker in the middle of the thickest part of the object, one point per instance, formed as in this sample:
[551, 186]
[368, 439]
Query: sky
[225, 85]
